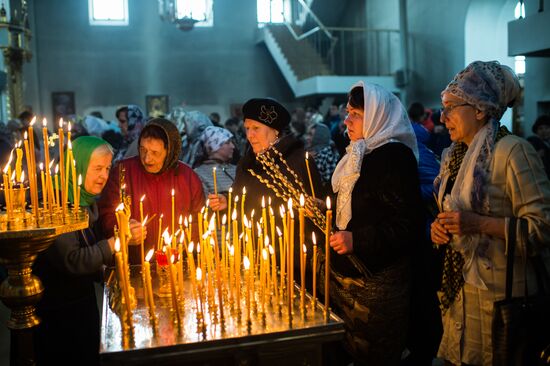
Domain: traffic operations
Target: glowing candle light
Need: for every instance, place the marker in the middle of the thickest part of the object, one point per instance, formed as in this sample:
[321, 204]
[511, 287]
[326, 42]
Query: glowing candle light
[120, 269]
[191, 264]
[61, 134]
[142, 227]
[7, 191]
[18, 161]
[32, 173]
[314, 298]
[148, 285]
[246, 265]
[44, 191]
[327, 257]
[56, 181]
[47, 160]
[77, 206]
[309, 175]
[274, 274]
[303, 278]
[32, 178]
[173, 212]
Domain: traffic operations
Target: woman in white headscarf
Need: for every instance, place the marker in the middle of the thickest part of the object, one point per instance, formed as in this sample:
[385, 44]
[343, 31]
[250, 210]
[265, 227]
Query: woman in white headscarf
[379, 218]
[487, 177]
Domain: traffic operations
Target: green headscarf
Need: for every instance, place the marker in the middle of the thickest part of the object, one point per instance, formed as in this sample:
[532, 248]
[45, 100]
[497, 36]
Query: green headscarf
[83, 148]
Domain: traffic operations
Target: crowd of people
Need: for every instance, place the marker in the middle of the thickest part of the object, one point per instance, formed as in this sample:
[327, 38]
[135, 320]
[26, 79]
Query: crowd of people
[423, 203]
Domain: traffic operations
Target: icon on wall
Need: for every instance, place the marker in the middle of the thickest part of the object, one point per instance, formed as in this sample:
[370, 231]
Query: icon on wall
[157, 105]
[63, 105]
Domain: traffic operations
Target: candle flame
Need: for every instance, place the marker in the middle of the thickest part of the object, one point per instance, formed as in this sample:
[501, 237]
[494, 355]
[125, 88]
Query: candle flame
[279, 233]
[41, 165]
[212, 242]
[120, 207]
[199, 274]
[186, 222]
[172, 259]
[13, 176]
[264, 254]
[307, 155]
[166, 237]
[56, 168]
[173, 192]
[269, 200]
[266, 240]
[212, 224]
[263, 202]
[50, 165]
[61, 122]
[328, 203]
[69, 144]
[232, 250]
[22, 178]
[182, 237]
[282, 211]
[180, 220]
[302, 200]
[202, 210]
[33, 120]
[214, 170]
[252, 214]
[230, 189]
[271, 250]
[246, 263]
[44, 122]
[198, 248]
[9, 162]
[69, 126]
[117, 245]
[236, 199]
[145, 220]
[270, 211]
[224, 219]
[80, 179]
[313, 238]
[190, 218]
[142, 198]
[149, 255]
[304, 248]
[244, 190]
[245, 221]
[289, 203]
[291, 213]
[190, 247]
[234, 214]
[25, 136]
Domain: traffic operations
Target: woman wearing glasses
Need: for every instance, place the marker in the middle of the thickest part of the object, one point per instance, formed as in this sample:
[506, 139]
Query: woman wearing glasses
[487, 176]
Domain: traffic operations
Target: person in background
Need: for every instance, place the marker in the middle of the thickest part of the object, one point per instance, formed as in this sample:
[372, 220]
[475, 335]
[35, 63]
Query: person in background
[131, 121]
[487, 176]
[69, 331]
[322, 150]
[541, 140]
[215, 118]
[217, 151]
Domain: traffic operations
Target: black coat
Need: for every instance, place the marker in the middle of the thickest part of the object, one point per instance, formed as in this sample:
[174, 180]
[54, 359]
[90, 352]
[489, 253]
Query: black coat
[294, 154]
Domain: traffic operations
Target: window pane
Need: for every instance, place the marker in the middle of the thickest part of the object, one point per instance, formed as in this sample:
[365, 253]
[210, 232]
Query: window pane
[273, 11]
[196, 9]
[108, 12]
[264, 11]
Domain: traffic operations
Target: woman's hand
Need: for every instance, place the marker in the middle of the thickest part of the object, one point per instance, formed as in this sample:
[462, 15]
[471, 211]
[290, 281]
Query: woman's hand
[460, 222]
[217, 202]
[136, 232]
[342, 242]
[439, 234]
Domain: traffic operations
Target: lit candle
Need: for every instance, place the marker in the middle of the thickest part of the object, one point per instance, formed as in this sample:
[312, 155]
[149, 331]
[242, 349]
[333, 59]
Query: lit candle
[229, 205]
[75, 186]
[191, 265]
[242, 208]
[309, 175]
[32, 173]
[120, 269]
[7, 193]
[327, 257]
[77, 206]
[246, 264]
[302, 242]
[264, 270]
[282, 260]
[49, 187]
[199, 290]
[32, 181]
[44, 190]
[56, 180]
[18, 161]
[173, 213]
[173, 291]
[142, 227]
[215, 181]
[291, 251]
[274, 274]
[314, 298]
[159, 243]
[148, 287]
[180, 271]
[67, 163]
[47, 160]
[264, 217]
[61, 166]
[303, 278]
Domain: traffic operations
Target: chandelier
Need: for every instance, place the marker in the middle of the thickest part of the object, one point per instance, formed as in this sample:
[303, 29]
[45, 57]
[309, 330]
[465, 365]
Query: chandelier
[180, 12]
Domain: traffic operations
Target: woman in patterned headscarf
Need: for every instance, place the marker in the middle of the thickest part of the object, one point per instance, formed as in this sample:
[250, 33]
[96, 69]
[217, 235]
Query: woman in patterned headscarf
[322, 150]
[217, 146]
[487, 176]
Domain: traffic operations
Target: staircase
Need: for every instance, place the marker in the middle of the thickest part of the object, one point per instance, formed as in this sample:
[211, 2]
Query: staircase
[304, 68]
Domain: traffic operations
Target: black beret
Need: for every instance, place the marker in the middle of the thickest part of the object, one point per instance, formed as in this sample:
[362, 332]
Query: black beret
[267, 111]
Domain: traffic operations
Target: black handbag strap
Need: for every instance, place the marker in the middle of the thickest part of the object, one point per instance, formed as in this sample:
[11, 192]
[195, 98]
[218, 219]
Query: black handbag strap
[510, 250]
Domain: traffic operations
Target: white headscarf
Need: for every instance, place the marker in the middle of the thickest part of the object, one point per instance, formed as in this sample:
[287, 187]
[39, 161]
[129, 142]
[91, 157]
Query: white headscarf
[385, 120]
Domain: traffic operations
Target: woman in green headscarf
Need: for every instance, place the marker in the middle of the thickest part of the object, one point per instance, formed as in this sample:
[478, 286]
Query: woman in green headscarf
[69, 331]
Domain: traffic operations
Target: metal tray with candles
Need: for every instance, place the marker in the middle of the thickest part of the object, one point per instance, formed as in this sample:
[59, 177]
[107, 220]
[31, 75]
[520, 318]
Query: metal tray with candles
[251, 327]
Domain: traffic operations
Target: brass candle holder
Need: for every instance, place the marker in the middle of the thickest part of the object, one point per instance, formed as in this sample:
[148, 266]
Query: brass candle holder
[21, 291]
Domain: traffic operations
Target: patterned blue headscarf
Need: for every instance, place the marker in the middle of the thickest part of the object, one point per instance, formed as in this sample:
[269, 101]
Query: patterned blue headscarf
[213, 138]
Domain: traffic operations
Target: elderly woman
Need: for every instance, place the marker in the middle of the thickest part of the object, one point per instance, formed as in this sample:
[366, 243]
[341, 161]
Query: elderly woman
[322, 150]
[487, 176]
[69, 330]
[218, 147]
[266, 122]
[379, 217]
